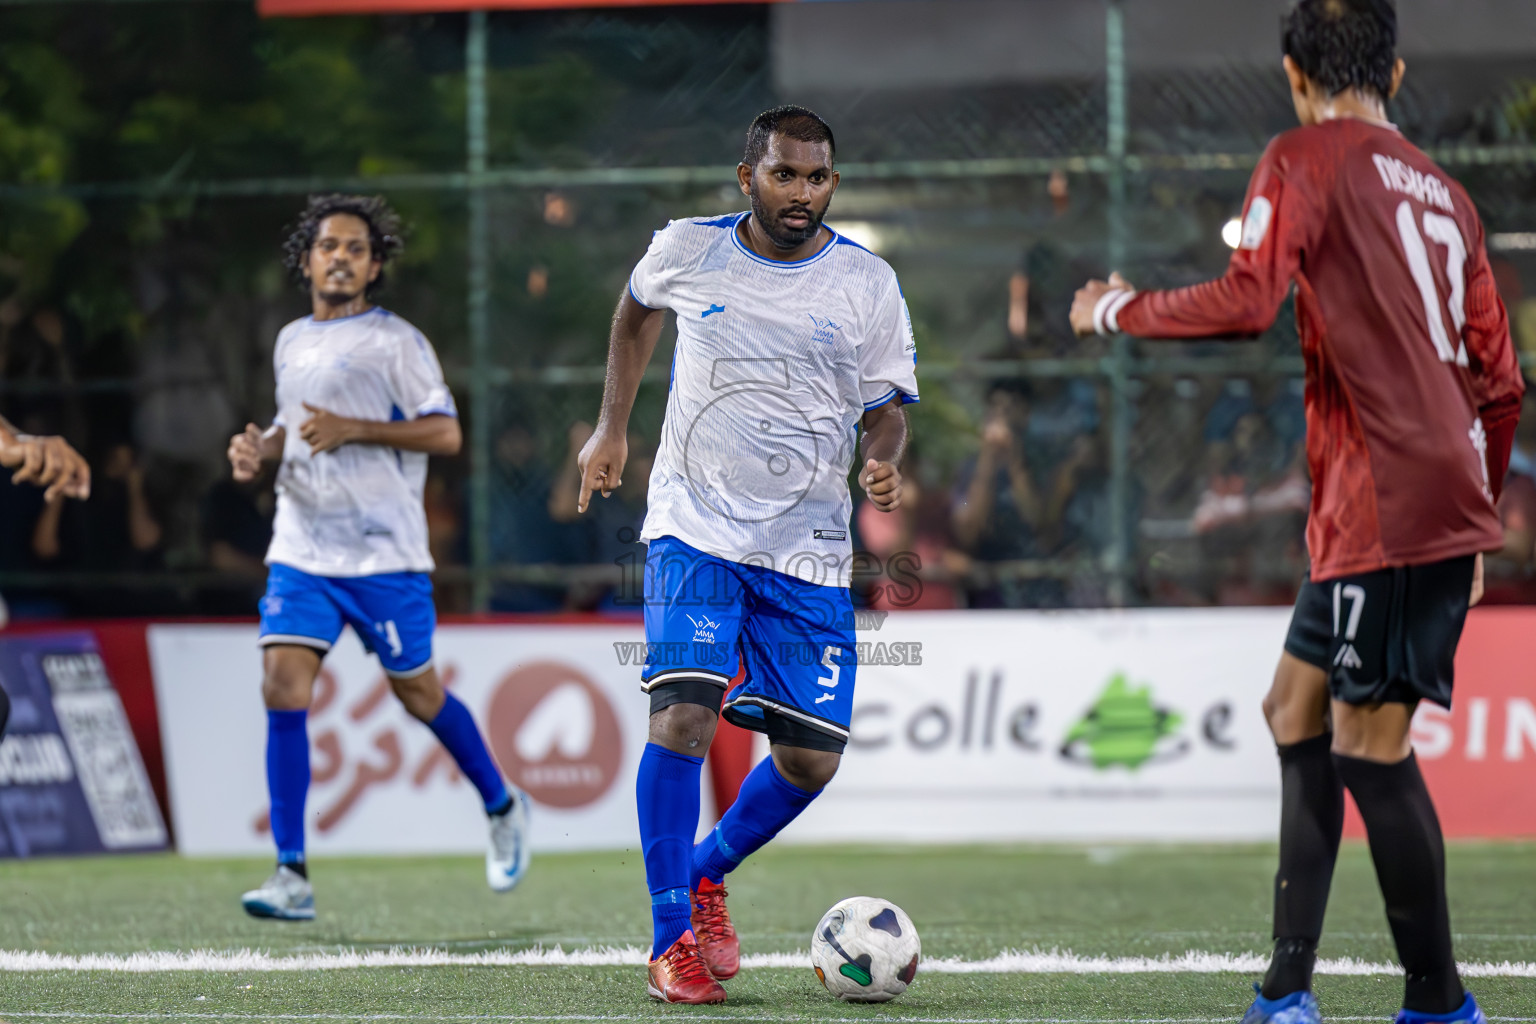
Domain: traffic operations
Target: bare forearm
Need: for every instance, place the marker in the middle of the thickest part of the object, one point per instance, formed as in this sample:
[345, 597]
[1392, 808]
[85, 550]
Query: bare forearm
[272, 442]
[631, 343]
[885, 433]
[435, 435]
[564, 493]
[1024, 496]
[979, 496]
[45, 535]
[143, 530]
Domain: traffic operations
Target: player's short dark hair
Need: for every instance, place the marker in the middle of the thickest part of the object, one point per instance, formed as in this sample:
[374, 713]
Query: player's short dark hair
[1343, 44]
[799, 123]
[384, 229]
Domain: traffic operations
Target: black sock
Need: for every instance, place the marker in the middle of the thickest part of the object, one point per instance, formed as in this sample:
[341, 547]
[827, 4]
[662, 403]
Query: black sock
[504, 808]
[296, 866]
[1409, 853]
[1311, 821]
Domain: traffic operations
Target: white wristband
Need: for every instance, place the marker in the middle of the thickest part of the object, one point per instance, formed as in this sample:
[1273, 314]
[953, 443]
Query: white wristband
[1106, 312]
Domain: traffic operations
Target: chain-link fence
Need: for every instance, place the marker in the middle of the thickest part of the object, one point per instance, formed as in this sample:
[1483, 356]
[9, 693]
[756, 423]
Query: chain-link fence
[155, 151]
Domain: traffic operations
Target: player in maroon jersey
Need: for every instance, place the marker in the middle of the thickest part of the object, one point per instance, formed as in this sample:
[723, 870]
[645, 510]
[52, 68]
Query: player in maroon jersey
[1413, 392]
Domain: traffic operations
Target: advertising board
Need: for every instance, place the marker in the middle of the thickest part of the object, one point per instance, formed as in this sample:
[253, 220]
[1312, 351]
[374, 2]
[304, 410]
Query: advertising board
[71, 779]
[563, 718]
[970, 726]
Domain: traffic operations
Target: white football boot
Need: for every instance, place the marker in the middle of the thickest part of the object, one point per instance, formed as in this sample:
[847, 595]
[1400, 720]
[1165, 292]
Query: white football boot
[286, 896]
[507, 856]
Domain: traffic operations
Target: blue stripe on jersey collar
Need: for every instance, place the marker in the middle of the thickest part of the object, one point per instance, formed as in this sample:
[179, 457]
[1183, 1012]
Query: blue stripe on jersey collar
[343, 319]
[797, 264]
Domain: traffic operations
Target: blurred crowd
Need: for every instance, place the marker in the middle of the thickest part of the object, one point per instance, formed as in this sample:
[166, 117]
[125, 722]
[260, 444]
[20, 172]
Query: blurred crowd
[1009, 498]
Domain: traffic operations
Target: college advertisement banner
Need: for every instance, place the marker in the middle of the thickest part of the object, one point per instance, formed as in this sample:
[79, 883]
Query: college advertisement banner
[564, 719]
[1060, 726]
[71, 779]
[968, 726]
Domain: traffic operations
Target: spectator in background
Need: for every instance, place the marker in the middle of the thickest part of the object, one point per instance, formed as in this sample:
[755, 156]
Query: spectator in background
[236, 526]
[444, 507]
[997, 509]
[522, 530]
[611, 527]
[115, 531]
[1039, 297]
[1079, 517]
[913, 541]
[1511, 575]
[1251, 517]
[1522, 311]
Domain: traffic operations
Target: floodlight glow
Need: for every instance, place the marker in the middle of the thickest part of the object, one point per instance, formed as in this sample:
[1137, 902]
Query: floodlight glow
[1232, 232]
[862, 232]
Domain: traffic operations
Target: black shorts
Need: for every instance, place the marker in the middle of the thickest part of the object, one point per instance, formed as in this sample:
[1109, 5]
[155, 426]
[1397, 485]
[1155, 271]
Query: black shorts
[780, 729]
[1385, 637]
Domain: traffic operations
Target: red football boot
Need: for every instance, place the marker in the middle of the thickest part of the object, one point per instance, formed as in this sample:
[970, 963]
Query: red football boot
[717, 936]
[680, 975]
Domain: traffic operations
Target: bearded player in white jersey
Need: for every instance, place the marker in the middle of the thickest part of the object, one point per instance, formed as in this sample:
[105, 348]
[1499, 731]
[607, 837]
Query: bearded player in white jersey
[361, 404]
[790, 339]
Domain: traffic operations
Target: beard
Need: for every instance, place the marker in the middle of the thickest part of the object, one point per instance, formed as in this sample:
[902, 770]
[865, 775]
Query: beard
[780, 234]
[339, 293]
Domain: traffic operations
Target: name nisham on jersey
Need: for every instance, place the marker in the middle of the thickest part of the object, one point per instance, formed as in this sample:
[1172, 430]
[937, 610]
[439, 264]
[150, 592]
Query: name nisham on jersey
[1426, 188]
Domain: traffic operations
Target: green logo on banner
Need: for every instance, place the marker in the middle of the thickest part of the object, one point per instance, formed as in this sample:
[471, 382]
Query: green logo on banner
[1124, 728]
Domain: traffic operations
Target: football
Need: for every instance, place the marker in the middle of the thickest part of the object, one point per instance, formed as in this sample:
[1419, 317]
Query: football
[865, 950]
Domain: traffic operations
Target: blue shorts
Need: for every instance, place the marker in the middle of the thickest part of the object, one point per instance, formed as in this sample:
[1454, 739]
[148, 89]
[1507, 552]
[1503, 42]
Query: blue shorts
[706, 616]
[391, 613]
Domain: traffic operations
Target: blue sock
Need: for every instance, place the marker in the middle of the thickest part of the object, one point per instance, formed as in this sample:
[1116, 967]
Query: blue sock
[455, 729]
[288, 781]
[764, 806]
[667, 797]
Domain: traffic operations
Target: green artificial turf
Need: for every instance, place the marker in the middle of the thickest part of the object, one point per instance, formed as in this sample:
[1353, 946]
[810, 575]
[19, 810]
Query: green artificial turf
[970, 902]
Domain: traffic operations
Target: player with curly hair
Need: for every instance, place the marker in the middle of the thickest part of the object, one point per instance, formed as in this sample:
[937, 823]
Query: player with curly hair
[361, 404]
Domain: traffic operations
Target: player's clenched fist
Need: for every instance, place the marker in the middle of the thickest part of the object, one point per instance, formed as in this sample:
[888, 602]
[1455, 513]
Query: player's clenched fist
[325, 431]
[245, 453]
[601, 463]
[882, 482]
[47, 462]
[1085, 304]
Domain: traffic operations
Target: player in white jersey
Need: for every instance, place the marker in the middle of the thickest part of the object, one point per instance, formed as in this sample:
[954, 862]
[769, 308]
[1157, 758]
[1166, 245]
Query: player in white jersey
[361, 404]
[791, 338]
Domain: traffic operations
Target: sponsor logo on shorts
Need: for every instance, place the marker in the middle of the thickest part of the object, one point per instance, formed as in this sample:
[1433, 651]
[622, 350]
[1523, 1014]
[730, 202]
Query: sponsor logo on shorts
[703, 629]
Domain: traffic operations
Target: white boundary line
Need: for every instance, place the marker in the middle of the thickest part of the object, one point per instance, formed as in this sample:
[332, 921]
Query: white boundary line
[1009, 962]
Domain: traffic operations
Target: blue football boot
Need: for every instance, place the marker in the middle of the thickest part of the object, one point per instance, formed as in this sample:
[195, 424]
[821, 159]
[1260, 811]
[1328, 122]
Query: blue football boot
[1467, 1013]
[1296, 1008]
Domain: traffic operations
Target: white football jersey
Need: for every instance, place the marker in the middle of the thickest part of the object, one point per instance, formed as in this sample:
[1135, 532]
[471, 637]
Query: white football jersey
[775, 365]
[355, 510]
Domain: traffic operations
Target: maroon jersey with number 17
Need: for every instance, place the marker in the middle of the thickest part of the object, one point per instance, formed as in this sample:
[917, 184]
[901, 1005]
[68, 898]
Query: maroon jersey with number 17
[1413, 387]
